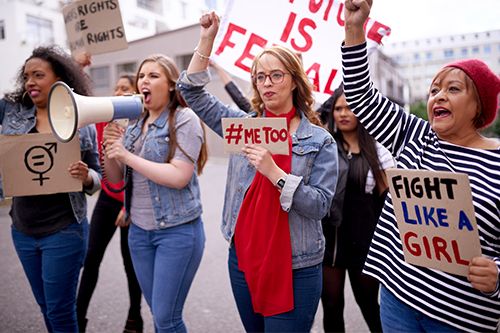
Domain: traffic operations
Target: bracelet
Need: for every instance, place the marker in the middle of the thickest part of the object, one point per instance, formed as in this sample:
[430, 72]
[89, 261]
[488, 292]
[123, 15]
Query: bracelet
[199, 54]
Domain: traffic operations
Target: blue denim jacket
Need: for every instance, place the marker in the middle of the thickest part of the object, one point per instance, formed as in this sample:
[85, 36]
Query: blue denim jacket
[170, 206]
[16, 119]
[308, 190]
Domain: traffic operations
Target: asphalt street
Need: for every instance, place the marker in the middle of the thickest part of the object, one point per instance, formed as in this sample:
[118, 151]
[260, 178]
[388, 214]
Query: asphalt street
[209, 307]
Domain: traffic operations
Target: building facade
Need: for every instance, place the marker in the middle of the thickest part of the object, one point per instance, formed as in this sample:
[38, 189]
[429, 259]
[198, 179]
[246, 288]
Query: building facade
[26, 24]
[418, 60]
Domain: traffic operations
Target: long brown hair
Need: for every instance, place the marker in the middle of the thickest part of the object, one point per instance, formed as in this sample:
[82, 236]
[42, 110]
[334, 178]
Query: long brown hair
[172, 73]
[302, 95]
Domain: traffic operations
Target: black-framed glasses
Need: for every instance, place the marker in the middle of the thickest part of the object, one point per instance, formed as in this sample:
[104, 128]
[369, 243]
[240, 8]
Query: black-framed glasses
[275, 76]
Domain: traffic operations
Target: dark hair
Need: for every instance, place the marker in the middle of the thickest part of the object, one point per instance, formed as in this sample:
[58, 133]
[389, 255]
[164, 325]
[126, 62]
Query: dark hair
[302, 95]
[64, 67]
[131, 78]
[367, 145]
[172, 73]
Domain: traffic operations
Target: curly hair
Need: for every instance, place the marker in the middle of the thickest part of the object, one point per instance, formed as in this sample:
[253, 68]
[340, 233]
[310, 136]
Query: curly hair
[303, 99]
[64, 67]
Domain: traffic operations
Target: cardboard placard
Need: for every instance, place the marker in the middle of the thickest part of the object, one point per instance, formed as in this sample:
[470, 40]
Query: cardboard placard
[33, 164]
[435, 218]
[94, 26]
[270, 133]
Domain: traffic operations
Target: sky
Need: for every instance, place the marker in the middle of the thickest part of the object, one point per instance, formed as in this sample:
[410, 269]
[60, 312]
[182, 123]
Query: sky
[415, 19]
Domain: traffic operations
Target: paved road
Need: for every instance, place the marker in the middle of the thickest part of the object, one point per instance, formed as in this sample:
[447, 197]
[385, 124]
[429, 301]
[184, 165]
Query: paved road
[209, 308]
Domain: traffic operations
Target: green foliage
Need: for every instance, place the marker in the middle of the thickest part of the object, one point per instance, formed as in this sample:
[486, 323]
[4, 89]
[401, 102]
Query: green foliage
[419, 109]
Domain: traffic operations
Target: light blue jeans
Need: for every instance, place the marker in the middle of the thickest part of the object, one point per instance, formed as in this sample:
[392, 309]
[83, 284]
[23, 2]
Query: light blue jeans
[398, 317]
[52, 265]
[165, 262]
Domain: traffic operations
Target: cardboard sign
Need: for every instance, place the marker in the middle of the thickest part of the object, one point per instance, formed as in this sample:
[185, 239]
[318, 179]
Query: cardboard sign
[270, 133]
[34, 164]
[435, 218]
[94, 26]
[313, 28]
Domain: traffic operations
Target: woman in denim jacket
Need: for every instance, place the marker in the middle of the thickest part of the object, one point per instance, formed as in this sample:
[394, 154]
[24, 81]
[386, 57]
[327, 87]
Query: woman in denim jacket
[273, 203]
[165, 152]
[50, 231]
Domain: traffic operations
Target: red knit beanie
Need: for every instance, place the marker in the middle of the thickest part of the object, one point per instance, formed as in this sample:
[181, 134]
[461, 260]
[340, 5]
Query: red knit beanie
[487, 85]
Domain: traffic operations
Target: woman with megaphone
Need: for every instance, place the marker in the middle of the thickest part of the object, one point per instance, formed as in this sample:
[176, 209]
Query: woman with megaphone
[160, 157]
[108, 214]
[50, 231]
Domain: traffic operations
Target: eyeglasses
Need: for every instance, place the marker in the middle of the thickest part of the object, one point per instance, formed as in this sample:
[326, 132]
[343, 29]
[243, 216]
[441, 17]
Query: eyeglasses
[275, 76]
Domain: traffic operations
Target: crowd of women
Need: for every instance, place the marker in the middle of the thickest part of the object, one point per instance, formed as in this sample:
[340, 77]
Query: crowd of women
[295, 224]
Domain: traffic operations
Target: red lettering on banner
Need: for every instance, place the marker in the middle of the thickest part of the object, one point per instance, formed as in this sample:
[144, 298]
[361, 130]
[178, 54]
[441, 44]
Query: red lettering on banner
[305, 22]
[328, 88]
[339, 15]
[315, 79]
[252, 135]
[253, 40]
[225, 41]
[413, 244]
[315, 6]
[288, 27]
[274, 135]
[374, 34]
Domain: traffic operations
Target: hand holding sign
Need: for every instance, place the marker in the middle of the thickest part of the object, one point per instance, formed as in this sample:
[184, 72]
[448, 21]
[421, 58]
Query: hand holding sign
[435, 218]
[270, 133]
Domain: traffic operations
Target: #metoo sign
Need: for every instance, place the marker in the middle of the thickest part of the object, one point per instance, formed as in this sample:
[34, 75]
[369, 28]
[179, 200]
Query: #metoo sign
[315, 28]
[435, 218]
[270, 133]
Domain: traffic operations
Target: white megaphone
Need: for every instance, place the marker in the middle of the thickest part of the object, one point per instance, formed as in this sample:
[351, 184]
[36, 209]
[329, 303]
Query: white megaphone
[69, 111]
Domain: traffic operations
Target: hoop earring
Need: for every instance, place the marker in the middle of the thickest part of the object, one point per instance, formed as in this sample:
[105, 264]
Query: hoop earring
[23, 97]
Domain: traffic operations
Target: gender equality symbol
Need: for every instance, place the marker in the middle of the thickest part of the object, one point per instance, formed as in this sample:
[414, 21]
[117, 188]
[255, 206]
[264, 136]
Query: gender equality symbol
[39, 160]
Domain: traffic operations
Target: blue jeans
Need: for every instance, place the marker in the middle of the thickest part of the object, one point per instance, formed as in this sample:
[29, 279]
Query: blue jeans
[398, 317]
[52, 265]
[306, 294]
[165, 262]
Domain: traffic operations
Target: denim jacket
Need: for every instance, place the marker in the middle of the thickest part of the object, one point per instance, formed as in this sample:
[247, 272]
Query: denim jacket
[170, 206]
[308, 190]
[16, 119]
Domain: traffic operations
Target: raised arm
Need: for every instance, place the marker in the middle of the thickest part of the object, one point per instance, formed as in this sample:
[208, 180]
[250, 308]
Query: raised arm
[209, 24]
[356, 13]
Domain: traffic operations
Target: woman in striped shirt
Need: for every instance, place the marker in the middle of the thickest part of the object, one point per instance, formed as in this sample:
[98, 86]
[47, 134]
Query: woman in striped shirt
[463, 98]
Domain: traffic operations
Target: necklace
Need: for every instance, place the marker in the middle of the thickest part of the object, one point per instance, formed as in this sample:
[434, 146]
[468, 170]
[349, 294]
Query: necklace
[349, 155]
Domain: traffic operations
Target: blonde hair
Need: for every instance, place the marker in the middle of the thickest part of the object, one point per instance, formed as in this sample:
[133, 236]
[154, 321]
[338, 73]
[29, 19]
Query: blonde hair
[303, 99]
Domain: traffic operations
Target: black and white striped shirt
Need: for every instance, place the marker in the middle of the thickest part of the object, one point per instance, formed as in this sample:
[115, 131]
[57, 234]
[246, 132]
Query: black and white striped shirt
[446, 297]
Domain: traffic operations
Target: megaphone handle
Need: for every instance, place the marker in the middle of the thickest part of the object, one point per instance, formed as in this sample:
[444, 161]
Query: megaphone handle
[126, 176]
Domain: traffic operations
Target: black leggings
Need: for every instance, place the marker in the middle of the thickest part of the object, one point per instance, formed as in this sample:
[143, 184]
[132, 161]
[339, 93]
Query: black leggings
[102, 228]
[365, 290]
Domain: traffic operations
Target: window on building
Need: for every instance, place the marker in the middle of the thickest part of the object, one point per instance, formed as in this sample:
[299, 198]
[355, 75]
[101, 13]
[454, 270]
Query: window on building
[128, 68]
[464, 52]
[428, 56]
[2, 29]
[100, 77]
[475, 50]
[151, 5]
[448, 53]
[487, 49]
[39, 30]
[183, 61]
[416, 56]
